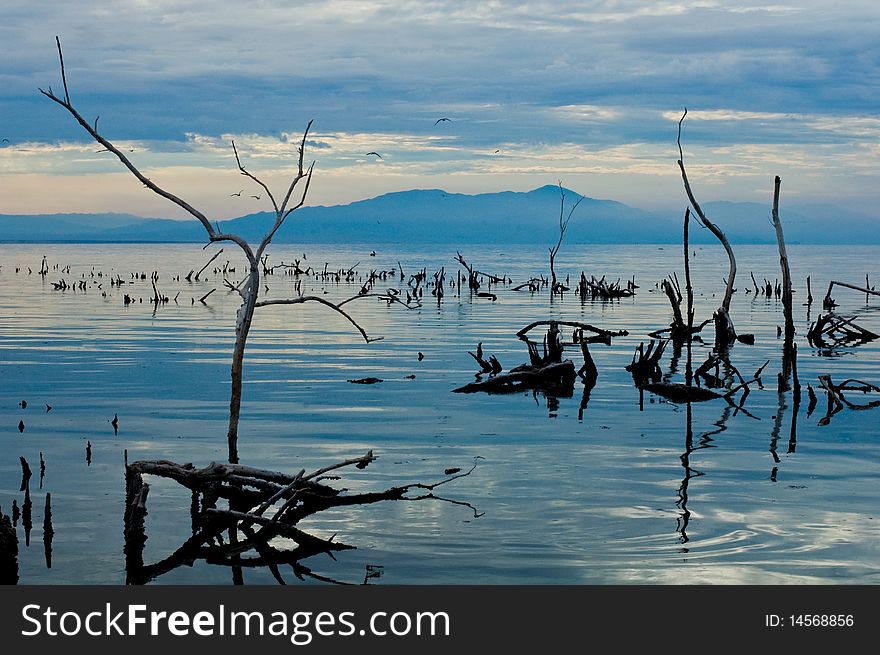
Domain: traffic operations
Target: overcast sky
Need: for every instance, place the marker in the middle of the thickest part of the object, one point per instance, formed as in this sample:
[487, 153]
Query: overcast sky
[588, 93]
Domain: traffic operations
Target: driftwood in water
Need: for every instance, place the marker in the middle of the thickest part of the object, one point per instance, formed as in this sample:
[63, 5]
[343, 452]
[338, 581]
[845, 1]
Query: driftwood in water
[645, 365]
[25, 473]
[828, 302]
[547, 370]
[604, 290]
[202, 269]
[601, 335]
[686, 393]
[491, 366]
[830, 330]
[681, 393]
[533, 284]
[588, 372]
[474, 275]
[837, 399]
[554, 376]
[679, 330]
[250, 494]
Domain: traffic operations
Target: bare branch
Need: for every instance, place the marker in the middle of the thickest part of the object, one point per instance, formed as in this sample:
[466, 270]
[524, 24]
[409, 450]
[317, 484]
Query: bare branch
[63, 75]
[390, 299]
[360, 462]
[110, 147]
[253, 177]
[322, 301]
[728, 294]
[299, 176]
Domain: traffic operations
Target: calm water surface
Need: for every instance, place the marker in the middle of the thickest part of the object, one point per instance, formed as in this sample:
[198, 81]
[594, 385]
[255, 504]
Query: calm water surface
[612, 493]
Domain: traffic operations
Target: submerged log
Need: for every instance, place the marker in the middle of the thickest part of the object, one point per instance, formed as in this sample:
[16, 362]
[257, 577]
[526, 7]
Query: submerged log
[558, 375]
[681, 393]
[605, 335]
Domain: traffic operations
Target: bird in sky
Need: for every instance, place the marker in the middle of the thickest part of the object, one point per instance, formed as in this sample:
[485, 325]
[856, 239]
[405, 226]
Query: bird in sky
[4, 140]
[372, 152]
[441, 120]
[237, 194]
[257, 197]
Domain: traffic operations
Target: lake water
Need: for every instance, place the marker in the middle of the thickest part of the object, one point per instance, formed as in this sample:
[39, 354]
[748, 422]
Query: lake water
[612, 493]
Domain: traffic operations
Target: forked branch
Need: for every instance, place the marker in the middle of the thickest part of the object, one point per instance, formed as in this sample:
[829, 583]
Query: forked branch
[213, 234]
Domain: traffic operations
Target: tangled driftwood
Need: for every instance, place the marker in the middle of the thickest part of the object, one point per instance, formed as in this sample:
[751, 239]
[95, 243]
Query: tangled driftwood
[830, 330]
[235, 500]
[546, 369]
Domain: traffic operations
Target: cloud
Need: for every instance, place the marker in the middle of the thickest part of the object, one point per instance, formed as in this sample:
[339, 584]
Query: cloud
[526, 78]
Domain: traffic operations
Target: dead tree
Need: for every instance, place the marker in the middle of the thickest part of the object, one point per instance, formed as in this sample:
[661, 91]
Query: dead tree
[249, 288]
[555, 285]
[725, 333]
[783, 263]
[474, 276]
[680, 329]
[828, 302]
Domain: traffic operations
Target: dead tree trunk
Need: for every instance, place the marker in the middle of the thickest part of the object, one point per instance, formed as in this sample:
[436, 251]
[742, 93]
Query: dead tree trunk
[783, 262]
[555, 285]
[689, 290]
[725, 333]
[248, 289]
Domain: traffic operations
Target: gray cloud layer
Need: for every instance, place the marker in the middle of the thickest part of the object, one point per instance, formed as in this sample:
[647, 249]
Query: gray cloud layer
[521, 75]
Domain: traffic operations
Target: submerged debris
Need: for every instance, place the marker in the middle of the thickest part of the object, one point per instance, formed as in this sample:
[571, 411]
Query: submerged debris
[830, 331]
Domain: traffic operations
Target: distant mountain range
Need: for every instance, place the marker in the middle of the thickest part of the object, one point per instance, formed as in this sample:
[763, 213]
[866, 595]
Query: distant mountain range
[435, 216]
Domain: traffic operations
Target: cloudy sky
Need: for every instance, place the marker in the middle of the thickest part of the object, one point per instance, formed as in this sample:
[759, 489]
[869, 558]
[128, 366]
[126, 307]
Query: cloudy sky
[588, 93]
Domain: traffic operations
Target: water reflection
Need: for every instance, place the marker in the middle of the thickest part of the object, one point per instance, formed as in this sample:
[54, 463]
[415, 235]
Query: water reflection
[48, 531]
[255, 537]
[78, 352]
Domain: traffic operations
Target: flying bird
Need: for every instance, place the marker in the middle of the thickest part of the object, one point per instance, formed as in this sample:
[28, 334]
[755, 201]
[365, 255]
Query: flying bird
[236, 194]
[4, 140]
[257, 197]
[374, 153]
[441, 120]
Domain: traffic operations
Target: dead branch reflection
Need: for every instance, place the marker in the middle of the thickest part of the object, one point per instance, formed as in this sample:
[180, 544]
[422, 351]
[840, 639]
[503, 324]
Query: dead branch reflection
[231, 524]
